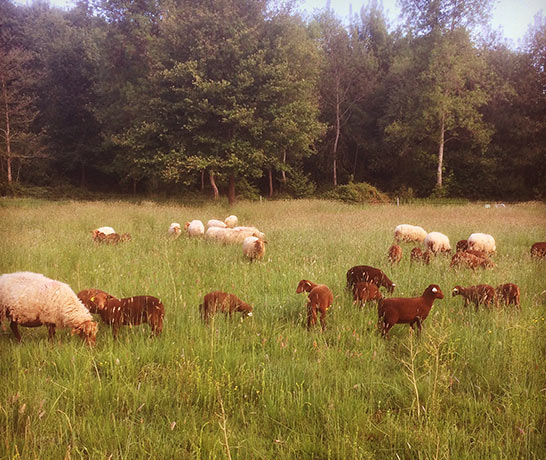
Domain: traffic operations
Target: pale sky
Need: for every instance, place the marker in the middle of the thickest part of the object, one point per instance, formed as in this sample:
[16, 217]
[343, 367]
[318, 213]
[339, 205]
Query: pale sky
[513, 17]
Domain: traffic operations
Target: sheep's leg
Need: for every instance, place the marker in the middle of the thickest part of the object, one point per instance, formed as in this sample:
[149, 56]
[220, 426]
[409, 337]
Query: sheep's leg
[15, 330]
[323, 319]
[51, 330]
[311, 316]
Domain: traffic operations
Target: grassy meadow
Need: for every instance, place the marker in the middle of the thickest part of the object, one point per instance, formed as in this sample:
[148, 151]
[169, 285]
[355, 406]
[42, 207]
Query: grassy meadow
[472, 386]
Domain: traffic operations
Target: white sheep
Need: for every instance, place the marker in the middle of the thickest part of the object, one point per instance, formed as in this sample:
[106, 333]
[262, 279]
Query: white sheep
[253, 247]
[106, 230]
[216, 223]
[238, 234]
[175, 230]
[231, 221]
[216, 233]
[437, 242]
[409, 233]
[482, 242]
[194, 228]
[31, 299]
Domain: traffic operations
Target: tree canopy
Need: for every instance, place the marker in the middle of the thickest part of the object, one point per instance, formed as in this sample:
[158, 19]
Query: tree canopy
[247, 97]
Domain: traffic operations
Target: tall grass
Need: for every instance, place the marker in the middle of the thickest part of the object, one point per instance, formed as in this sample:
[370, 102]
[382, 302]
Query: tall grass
[473, 385]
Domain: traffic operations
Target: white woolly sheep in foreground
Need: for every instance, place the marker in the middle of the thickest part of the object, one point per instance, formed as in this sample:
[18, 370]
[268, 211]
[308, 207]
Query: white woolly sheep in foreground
[216, 223]
[231, 221]
[253, 247]
[437, 242]
[409, 233]
[175, 230]
[31, 299]
[482, 242]
[194, 228]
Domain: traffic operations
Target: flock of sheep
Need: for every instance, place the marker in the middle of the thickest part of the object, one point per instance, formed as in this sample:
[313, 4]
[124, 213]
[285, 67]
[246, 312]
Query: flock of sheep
[31, 299]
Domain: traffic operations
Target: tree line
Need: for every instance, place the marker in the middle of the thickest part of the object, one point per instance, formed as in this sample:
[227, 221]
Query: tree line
[248, 96]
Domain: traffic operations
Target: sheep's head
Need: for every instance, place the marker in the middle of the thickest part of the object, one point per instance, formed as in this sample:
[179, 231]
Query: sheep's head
[88, 331]
[245, 308]
[303, 285]
[456, 291]
[434, 291]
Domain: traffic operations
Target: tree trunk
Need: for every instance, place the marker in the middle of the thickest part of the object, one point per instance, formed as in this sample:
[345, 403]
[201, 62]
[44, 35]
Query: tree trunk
[283, 173]
[8, 134]
[270, 182]
[202, 180]
[213, 185]
[83, 176]
[441, 152]
[338, 128]
[231, 189]
[134, 186]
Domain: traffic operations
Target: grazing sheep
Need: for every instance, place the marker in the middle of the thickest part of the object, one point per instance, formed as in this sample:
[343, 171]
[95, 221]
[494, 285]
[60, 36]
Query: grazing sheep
[131, 311]
[219, 301]
[508, 293]
[538, 250]
[104, 230]
[112, 238]
[194, 228]
[480, 294]
[175, 230]
[437, 242]
[468, 260]
[417, 255]
[482, 242]
[31, 299]
[320, 298]
[371, 274]
[409, 233]
[233, 235]
[462, 245]
[231, 221]
[403, 310]
[363, 291]
[253, 248]
[216, 223]
[395, 254]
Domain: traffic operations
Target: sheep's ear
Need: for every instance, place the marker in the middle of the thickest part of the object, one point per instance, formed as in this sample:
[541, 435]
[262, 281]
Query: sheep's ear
[92, 299]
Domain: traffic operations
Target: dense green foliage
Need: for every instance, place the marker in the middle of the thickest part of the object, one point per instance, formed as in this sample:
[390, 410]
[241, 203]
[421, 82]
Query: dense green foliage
[194, 96]
[472, 386]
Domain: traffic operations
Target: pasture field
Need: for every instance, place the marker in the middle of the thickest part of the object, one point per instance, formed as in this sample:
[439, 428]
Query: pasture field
[472, 386]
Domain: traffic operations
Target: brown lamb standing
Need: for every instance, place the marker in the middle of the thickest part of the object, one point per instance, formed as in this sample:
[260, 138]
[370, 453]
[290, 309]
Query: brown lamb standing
[403, 310]
[320, 299]
[480, 294]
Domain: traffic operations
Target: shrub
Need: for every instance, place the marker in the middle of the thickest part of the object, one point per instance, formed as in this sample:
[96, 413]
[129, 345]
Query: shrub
[298, 185]
[360, 192]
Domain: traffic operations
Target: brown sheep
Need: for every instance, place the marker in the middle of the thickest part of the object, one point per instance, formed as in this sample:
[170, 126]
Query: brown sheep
[480, 294]
[320, 298]
[395, 254]
[538, 250]
[129, 311]
[462, 245]
[94, 299]
[221, 301]
[509, 293]
[362, 292]
[403, 310]
[466, 259]
[370, 274]
[417, 255]
[112, 238]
